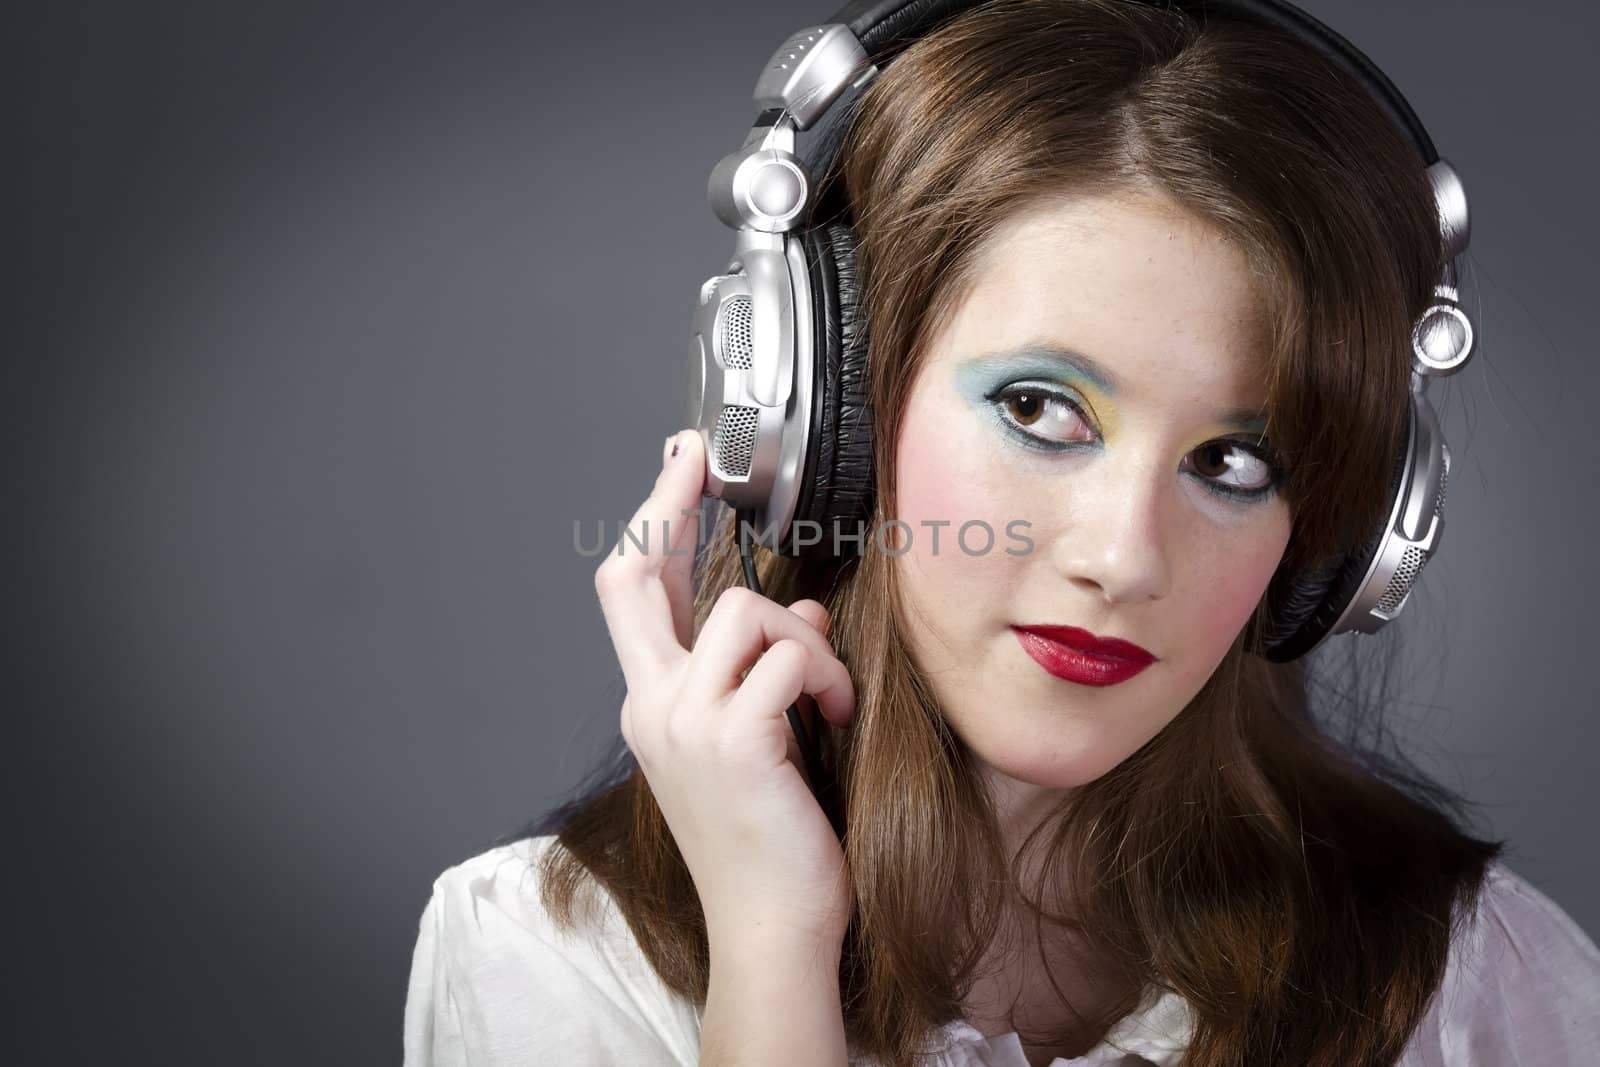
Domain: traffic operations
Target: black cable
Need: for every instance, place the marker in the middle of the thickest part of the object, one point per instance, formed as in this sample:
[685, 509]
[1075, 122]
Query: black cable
[810, 744]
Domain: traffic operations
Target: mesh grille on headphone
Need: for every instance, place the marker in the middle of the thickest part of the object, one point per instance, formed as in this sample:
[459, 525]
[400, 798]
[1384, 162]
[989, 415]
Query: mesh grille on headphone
[733, 330]
[734, 439]
[1400, 583]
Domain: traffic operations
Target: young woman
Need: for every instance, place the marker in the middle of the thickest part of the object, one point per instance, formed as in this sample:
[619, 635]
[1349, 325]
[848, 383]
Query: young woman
[1141, 288]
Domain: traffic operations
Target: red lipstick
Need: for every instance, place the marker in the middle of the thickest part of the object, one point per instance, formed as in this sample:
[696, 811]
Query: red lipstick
[1079, 656]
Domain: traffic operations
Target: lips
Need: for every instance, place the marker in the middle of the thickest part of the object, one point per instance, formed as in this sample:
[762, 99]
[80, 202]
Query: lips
[1084, 641]
[1079, 656]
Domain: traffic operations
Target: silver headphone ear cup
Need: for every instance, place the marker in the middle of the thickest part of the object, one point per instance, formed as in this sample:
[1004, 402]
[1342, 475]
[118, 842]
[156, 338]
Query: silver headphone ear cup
[1367, 589]
[1317, 599]
[1413, 557]
[748, 387]
[1412, 535]
[1305, 607]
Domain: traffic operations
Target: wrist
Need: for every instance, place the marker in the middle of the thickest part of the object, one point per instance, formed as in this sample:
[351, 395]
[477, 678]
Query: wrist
[774, 997]
[770, 939]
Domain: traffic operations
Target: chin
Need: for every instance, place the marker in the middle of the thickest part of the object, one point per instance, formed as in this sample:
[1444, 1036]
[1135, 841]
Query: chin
[1065, 759]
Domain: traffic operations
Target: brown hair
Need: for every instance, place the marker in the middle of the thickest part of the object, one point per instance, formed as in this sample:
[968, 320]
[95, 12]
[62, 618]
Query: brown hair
[1298, 889]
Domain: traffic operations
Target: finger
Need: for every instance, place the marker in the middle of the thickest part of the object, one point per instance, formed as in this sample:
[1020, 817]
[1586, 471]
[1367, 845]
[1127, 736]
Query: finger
[678, 573]
[814, 613]
[788, 672]
[817, 616]
[641, 610]
[742, 626]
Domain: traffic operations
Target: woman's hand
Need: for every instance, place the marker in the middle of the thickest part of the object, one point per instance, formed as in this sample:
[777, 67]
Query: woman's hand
[708, 726]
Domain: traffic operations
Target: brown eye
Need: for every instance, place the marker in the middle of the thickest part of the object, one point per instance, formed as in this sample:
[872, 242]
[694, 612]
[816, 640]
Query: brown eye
[1231, 466]
[1026, 406]
[1043, 418]
[1211, 460]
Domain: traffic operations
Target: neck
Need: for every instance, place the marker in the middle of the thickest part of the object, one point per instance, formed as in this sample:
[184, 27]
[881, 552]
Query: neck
[1020, 807]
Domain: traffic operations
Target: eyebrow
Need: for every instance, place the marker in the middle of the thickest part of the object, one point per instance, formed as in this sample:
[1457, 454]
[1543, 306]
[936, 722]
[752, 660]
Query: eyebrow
[1108, 381]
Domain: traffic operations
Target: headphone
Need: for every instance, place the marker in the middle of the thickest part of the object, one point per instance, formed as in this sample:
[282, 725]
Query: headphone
[778, 352]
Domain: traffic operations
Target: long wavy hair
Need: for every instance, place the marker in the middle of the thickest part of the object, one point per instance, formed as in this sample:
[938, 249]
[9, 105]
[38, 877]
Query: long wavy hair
[1298, 885]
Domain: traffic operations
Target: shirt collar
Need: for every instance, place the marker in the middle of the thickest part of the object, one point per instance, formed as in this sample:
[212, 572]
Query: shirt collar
[1159, 1029]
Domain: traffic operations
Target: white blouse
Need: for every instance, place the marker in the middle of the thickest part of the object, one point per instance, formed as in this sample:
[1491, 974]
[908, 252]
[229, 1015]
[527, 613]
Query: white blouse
[494, 982]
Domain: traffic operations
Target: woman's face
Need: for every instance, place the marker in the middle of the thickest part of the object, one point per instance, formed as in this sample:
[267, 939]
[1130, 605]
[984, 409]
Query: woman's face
[1101, 383]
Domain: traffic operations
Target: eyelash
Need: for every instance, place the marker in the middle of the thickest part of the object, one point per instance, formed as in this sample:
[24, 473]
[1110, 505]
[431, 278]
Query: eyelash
[998, 397]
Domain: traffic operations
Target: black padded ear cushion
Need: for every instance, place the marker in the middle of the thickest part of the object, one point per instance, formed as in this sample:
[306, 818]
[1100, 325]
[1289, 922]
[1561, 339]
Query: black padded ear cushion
[837, 482]
[1308, 606]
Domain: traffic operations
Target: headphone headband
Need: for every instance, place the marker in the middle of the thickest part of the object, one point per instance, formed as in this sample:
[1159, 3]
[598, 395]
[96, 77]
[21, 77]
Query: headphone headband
[886, 27]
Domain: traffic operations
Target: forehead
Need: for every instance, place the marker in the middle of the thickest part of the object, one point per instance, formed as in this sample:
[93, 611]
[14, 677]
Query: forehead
[1142, 287]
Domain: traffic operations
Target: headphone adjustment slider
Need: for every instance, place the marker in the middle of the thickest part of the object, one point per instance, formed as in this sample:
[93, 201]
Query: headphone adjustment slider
[809, 71]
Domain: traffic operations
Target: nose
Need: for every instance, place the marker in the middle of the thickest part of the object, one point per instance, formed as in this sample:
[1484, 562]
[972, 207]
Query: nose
[1116, 541]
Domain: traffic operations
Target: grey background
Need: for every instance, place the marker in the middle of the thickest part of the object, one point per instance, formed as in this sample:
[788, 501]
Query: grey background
[328, 320]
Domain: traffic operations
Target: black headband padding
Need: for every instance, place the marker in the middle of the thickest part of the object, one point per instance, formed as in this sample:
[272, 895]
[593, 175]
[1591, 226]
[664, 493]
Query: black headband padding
[886, 27]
